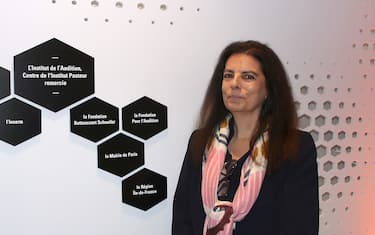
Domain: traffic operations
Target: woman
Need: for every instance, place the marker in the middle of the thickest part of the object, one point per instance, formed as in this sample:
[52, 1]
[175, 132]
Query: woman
[247, 169]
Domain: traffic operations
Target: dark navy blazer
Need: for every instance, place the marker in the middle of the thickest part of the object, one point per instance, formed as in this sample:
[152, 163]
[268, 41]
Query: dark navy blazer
[288, 203]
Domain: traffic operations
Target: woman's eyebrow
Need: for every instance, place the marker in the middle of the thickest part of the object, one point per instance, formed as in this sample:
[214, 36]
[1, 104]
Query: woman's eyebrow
[250, 71]
[246, 71]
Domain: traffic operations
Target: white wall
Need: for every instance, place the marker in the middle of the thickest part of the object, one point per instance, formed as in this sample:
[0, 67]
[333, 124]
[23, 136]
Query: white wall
[50, 184]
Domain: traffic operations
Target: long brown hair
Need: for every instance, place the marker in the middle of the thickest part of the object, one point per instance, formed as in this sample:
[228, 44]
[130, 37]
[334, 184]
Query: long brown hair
[278, 115]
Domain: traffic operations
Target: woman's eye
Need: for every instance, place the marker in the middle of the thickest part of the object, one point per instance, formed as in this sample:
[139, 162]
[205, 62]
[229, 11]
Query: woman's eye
[248, 76]
[227, 75]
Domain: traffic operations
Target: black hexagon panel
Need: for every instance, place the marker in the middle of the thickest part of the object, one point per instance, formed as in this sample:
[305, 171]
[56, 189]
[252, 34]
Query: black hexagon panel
[4, 82]
[120, 155]
[18, 121]
[94, 119]
[144, 189]
[53, 75]
[144, 117]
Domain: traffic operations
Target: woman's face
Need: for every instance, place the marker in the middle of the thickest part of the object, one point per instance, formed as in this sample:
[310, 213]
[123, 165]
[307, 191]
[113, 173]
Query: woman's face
[244, 85]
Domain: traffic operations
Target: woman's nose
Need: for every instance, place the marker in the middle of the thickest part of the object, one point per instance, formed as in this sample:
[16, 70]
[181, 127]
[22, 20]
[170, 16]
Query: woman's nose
[235, 82]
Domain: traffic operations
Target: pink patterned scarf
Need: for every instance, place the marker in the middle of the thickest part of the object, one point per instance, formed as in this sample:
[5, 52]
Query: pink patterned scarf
[221, 216]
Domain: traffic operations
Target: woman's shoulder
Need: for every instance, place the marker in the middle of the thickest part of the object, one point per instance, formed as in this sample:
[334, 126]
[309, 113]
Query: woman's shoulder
[305, 140]
[199, 136]
[306, 147]
[197, 143]
[303, 134]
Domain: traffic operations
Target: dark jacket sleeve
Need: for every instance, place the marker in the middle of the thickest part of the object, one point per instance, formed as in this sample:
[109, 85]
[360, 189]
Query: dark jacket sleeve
[181, 218]
[300, 197]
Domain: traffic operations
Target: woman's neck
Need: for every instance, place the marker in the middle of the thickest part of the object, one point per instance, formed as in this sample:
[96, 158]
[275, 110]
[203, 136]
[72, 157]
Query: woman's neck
[244, 126]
